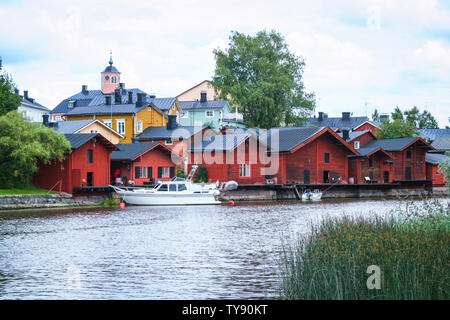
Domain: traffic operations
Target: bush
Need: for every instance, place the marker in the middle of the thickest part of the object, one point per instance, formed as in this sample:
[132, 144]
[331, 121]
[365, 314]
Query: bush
[201, 175]
[331, 263]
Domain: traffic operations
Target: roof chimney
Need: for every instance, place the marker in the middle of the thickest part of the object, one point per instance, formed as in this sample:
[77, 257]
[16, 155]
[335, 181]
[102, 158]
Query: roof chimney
[152, 96]
[117, 97]
[16, 91]
[320, 116]
[141, 99]
[84, 89]
[346, 134]
[346, 116]
[203, 97]
[122, 85]
[130, 97]
[25, 94]
[108, 100]
[172, 123]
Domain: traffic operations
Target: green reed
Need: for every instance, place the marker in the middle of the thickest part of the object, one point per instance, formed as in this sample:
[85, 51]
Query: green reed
[412, 251]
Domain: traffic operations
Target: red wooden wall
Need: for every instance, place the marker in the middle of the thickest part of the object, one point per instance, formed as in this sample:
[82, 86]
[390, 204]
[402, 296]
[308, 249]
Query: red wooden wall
[368, 126]
[433, 173]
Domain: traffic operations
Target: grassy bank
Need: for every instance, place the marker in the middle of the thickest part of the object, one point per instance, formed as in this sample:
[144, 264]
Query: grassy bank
[412, 253]
[24, 190]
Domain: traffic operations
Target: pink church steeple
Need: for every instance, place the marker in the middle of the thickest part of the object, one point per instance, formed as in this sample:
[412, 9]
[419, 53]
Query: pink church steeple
[110, 78]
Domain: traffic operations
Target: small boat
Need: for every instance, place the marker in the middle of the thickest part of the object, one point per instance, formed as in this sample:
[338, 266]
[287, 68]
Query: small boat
[179, 191]
[316, 195]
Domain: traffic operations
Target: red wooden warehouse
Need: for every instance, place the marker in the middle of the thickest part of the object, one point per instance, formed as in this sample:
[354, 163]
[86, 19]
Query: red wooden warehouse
[143, 163]
[316, 155]
[237, 157]
[86, 165]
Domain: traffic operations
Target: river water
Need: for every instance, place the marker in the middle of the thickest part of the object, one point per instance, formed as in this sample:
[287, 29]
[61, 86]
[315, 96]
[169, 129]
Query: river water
[201, 252]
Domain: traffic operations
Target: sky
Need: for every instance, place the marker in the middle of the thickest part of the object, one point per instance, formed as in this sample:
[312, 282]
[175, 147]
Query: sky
[360, 55]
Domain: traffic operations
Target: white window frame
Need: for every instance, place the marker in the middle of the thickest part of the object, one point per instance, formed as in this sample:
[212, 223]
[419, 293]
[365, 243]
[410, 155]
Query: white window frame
[118, 122]
[144, 172]
[113, 79]
[139, 126]
[356, 144]
[245, 170]
[165, 172]
[94, 131]
[206, 113]
[108, 122]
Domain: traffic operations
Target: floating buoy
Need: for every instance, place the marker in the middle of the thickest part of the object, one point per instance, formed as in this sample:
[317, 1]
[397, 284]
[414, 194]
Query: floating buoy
[122, 205]
[231, 203]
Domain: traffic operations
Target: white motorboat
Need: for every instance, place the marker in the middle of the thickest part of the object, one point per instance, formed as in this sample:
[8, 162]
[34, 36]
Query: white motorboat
[179, 191]
[315, 195]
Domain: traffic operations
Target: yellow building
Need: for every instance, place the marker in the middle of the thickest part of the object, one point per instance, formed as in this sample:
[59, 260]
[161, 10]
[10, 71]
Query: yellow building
[127, 120]
[127, 111]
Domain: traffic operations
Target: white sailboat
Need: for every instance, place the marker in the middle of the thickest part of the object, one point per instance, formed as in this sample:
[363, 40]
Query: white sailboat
[179, 191]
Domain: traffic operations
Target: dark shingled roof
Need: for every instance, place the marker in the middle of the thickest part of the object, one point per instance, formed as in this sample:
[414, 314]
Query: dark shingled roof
[337, 122]
[93, 98]
[354, 134]
[220, 142]
[159, 133]
[106, 110]
[441, 143]
[386, 144]
[197, 105]
[432, 134]
[32, 103]
[436, 158]
[71, 126]
[78, 139]
[289, 137]
[131, 151]
[111, 68]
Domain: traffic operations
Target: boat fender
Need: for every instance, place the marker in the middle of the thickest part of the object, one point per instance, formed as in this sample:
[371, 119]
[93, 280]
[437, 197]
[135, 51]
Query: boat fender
[231, 203]
[122, 205]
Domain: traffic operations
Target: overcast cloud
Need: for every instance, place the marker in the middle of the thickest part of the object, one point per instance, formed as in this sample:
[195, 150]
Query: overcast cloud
[359, 54]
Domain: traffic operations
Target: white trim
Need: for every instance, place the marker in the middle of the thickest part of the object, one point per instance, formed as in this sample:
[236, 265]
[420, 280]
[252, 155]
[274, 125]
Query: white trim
[103, 124]
[367, 121]
[356, 145]
[141, 123]
[186, 114]
[206, 113]
[124, 125]
[245, 168]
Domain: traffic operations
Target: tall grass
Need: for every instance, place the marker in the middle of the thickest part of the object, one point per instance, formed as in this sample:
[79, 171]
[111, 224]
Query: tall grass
[412, 253]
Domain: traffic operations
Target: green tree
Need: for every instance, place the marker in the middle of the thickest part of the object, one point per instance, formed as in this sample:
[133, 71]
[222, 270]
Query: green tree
[397, 114]
[427, 121]
[23, 146]
[376, 115]
[412, 116]
[396, 129]
[9, 100]
[264, 78]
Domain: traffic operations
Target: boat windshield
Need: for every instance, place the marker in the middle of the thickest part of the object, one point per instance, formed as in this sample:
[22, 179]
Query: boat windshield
[172, 187]
[157, 186]
[182, 187]
[163, 187]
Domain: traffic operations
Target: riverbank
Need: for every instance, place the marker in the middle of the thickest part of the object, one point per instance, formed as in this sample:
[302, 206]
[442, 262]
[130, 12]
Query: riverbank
[39, 201]
[403, 257]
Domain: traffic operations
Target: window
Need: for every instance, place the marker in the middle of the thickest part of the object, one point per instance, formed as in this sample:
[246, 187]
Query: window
[113, 80]
[184, 114]
[209, 113]
[120, 124]
[106, 78]
[370, 162]
[356, 145]
[182, 187]
[94, 131]
[163, 172]
[172, 187]
[137, 172]
[408, 154]
[163, 188]
[139, 126]
[327, 158]
[169, 142]
[90, 156]
[244, 170]
[108, 122]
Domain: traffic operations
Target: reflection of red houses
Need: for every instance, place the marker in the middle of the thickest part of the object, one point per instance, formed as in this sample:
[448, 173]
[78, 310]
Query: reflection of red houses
[143, 162]
[316, 155]
[433, 172]
[87, 165]
[230, 157]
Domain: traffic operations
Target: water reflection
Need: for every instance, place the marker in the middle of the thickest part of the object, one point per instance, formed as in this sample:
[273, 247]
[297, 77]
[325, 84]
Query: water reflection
[207, 252]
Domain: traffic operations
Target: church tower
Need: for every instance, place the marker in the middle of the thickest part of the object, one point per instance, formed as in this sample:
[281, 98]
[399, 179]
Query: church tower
[110, 78]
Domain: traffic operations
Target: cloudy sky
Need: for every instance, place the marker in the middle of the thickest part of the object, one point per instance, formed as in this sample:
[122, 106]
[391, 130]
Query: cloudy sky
[359, 55]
